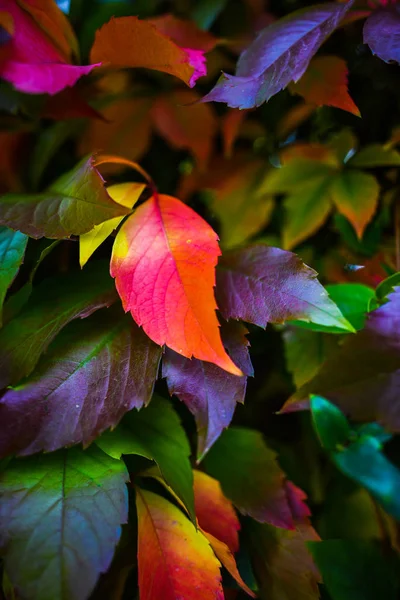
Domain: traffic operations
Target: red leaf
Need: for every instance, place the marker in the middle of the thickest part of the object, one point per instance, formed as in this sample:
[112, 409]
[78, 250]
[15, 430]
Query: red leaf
[325, 84]
[214, 511]
[129, 42]
[164, 260]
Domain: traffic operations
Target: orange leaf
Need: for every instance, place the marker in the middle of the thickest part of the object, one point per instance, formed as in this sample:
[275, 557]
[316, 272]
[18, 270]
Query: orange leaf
[184, 32]
[214, 511]
[325, 84]
[227, 559]
[164, 259]
[183, 126]
[129, 42]
[174, 560]
[231, 124]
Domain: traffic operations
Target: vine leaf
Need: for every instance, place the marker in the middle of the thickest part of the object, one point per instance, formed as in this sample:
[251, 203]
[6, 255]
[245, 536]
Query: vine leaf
[12, 250]
[280, 54]
[381, 33]
[163, 261]
[72, 205]
[43, 45]
[92, 374]
[174, 559]
[54, 507]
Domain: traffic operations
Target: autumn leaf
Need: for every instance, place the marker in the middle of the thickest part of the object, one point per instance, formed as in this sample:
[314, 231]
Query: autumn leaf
[174, 560]
[375, 155]
[210, 392]
[92, 374]
[130, 42]
[163, 260]
[361, 377]
[126, 194]
[184, 32]
[64, 502]
[260, 284]
[42, 45]
[250, 477]
[280, 54]
[381, 33]
[12, 250]
[53, 304]
[72, 205]
[156, 433]
[325, 84]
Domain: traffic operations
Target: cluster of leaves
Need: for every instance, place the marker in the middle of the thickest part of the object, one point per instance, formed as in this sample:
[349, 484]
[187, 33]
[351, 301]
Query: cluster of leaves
[126, 467]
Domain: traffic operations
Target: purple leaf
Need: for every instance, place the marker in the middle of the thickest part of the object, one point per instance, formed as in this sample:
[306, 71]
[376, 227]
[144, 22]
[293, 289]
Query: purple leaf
[363, 376]
[260, 284]
[53, 304]
[93, 373]
[382, 33]
[280, 54]
[60, 520]
[209, 392]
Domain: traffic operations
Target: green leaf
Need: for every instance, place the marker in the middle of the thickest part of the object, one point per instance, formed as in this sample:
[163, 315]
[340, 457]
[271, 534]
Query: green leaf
[387, 286]
[294, 175]
[53, 304]
[12, 250]
[356, 570]
[205, 12]
[156, 433]
[330, 423]
[60, 520]
[374, 156]
[72, 205]
[355, 195]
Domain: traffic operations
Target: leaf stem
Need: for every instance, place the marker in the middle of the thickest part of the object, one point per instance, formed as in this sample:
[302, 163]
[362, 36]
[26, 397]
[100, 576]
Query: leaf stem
[110, 158]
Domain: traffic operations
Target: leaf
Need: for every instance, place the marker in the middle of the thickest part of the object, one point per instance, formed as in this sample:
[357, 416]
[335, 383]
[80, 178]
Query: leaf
[156, 433]
[381, 33]
[126, 194]
[184, 32]
[214, 511]
[329, 423]
[163, 261]
[208, 391]
[355, 195]
[250, 476]
[261, 285]
[189, 127]
[125, 131]
[62, 512]
[387, 286]
[37, 61]
[129, 42]
[362, 376]
[226, 558]
[174, 560]
[53, 304]
[305, 352]
[373, 574]
[280, 54]
[12, 250]
[92, 374]
[375, 155]
[72, 205]
[282, 562]
[325, 84]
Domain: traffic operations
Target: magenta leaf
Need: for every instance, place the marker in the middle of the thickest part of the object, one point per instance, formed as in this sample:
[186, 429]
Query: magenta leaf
[72, 205]
[93, 373]
[280, 54]
[12, 250]
[251, 477]
[60, 520]
[209, 392]
[382, 33]
[363, 376]
[260, 284]
[53, 304]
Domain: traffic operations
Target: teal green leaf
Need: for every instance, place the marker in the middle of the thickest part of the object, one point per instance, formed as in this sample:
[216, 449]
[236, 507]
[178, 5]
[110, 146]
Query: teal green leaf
[53, 304]
[330, 423]
[156, 433]
[60, 520]
[12, 250]
[356, 570]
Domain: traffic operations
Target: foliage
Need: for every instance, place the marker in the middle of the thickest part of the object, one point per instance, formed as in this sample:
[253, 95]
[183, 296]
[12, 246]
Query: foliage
[189, 410]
